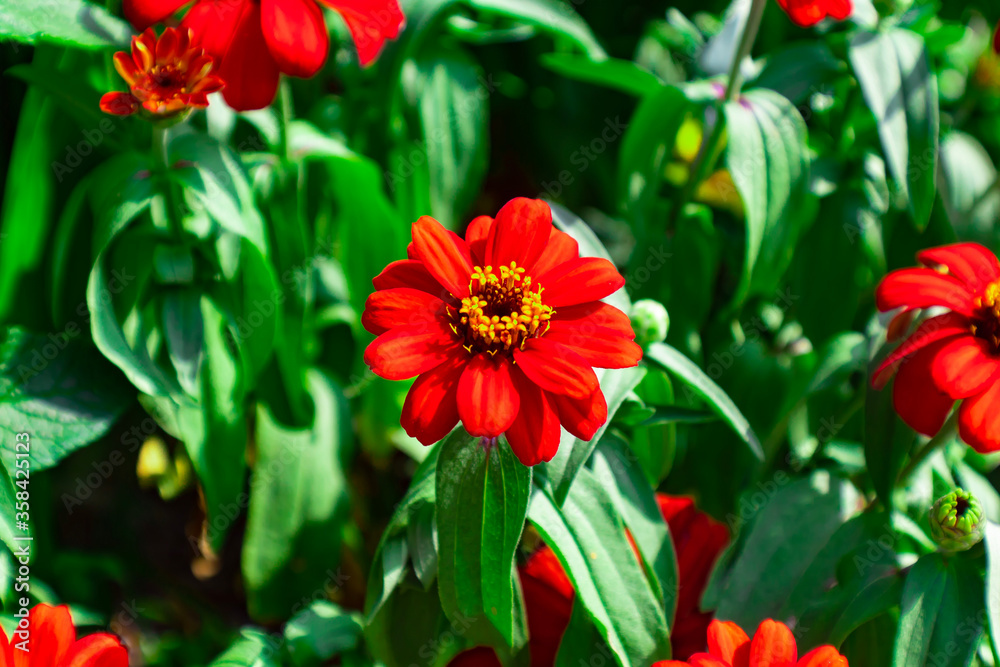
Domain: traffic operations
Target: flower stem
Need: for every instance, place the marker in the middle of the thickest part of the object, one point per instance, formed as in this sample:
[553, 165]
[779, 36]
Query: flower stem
[943, 436]
[161, 161]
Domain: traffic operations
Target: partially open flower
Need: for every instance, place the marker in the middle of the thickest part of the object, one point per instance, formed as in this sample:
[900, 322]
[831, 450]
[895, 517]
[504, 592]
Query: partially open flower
[166, 76]
[957, 521]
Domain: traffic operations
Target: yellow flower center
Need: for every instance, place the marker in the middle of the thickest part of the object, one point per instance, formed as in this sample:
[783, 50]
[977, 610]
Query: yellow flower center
[503, 310]
[986, 324]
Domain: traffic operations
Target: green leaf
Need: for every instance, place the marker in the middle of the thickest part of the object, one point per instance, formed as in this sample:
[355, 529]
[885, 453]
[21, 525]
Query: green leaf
[958, 627]
[922, 596]
[590, 246]
[877, 598]
[482, 499]
[553, 16]
[589, 538]
[788, 532]
[670, 359]
[967, 181]
[321, 632]
[573, 452]
[992, 542]
[842, 355]
[9, 532]
[71, 22]
[894, 71]
[59, 391]
[581, 641]
[298, 501]
[887, 440]
[623, 75]
[253, 648]
[766, 156]
[422, 538]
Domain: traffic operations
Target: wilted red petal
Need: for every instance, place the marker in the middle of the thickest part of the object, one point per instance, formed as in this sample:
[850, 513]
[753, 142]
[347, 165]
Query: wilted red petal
[971, 263]
[579, 281]
[406, 352]
[401, 306]
[444, 254]
[917, 401]
[728, 641]
[520, 233]
[773, 646]
[561, 248]
[99, 650]
[409, 273]
[430, 410]
[979, 420]
[824, 656]
[476, 235]
[964, 365]
[296, 34]
[534, 434]
[487, 399]
[556, 368]
[601, 347]
[923, 288]
[932, 330]
[371, 23]
[144, 13]
[582, 417]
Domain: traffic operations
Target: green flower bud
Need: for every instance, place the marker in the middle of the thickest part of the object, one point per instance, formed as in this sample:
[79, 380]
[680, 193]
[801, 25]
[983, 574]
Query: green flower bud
[957, 521]
[650, 322]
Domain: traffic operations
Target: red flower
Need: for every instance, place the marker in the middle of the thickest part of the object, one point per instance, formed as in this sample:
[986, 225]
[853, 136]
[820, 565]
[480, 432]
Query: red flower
[502, 328]
[166, 76]
[953, 356]
[52, 642]
[996, 39]
[255, 40]
[772, 646]
[698, 541]
[807, 13]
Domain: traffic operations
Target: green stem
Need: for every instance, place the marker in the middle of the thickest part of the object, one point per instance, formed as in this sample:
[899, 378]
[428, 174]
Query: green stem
[161, 162]
[943, 436]
[707, 154]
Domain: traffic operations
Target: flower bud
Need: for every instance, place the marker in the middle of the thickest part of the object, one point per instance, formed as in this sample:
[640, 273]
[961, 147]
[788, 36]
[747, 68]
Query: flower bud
[650, 322]
[957, 521]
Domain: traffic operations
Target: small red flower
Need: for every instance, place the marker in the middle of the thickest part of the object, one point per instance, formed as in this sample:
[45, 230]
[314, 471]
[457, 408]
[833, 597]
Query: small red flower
[165, 76]
[807, 13]
[52, 642]
[255, 40]
[952, 356]
[503, 329]
[772, 646]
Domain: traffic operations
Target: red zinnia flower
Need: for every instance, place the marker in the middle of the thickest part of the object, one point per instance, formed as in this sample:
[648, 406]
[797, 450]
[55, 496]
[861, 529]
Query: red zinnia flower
[953, 356]
[502, 328]
[52, 642]
[807, 13]
[698, 541]
[166, 76]
[772, 646]
[255, 40]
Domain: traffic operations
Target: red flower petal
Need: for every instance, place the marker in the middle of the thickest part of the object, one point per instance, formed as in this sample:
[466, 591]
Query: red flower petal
[706, 660]
[231, 33]
[520, 233]
[430, 410]
[581, 417]
[548, 599]
[596, 313]
[839, 10]
[406, 352]
[371, 23]
[917, 401]
[963, 365]
[579, 281]
[476, 235]
[804, 13]
[52, 634]
[444, 254]
[409, 273]
[922, 288]
[487, 399]
[728, 641]
[676, 663]
[824, 656]
[971, 263]
[773, 646]
[144, 13]
[119, 104]
[401, 306]
[931, 331]
[556, 368]
[979, 420]
[561, 248]
[534, 434]
[98, 650]
[296, 34]
[599, 346]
